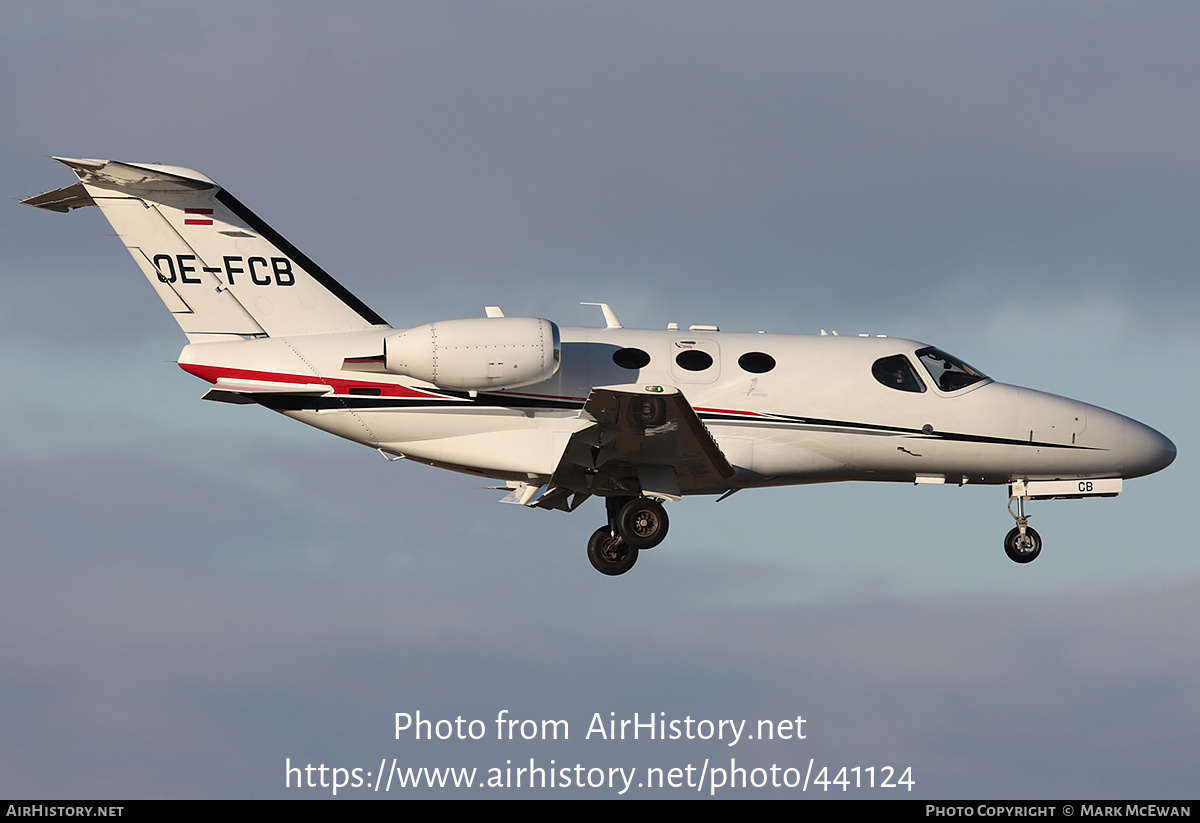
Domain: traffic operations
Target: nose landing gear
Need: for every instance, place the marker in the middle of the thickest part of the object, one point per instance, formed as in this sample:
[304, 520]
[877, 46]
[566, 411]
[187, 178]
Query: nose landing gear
[1023, 544]
[1023, 548]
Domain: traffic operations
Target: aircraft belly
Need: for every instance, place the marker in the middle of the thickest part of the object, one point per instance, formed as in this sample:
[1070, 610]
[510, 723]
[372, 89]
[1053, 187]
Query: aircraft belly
[804, 455]
[502, 442]
[908, 457]
[415, 425]
[1049, 463]
[523, 452]
[801, 455]
[979, 459]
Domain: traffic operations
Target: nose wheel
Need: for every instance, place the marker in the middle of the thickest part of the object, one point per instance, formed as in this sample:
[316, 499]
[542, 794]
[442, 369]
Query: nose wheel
[1023, 544]
[1023, 548]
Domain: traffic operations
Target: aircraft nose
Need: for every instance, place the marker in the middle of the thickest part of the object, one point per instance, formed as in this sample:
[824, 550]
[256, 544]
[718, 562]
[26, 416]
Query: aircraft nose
[1146, 450]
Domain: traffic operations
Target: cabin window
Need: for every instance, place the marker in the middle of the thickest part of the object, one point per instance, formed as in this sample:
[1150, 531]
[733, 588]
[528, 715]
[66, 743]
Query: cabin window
[694, 360]
[756, 362]
[948, 372]
[896, 372]
[631, 358]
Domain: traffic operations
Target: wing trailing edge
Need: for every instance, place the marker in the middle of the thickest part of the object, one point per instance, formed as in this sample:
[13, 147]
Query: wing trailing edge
[644, 440]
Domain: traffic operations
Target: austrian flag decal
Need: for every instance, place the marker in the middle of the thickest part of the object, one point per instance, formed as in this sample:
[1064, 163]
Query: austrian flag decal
[196, 217]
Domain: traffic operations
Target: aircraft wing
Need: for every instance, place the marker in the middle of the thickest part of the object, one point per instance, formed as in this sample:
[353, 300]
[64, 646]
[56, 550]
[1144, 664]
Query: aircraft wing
[643, 440]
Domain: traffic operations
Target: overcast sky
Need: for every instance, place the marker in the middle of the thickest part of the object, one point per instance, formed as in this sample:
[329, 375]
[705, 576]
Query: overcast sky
[195, 593]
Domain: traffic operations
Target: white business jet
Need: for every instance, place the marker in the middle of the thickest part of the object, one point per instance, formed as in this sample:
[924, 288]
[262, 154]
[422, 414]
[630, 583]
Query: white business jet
[638, 417]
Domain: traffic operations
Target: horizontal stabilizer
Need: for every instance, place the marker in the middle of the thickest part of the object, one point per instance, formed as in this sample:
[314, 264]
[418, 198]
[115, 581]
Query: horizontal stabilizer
[62, 200]
[137, 177]
[242, 392]
[269, 387]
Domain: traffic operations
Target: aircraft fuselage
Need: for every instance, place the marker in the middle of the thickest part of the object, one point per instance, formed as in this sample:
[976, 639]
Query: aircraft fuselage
[817, 415]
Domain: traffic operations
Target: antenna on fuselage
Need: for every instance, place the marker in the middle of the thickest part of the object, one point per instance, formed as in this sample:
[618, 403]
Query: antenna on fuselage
[610, 317]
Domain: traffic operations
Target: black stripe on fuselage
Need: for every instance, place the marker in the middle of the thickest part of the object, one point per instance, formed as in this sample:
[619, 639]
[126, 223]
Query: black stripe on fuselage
[323, 277]
[299, 402]
[296, 402]
[820, 424]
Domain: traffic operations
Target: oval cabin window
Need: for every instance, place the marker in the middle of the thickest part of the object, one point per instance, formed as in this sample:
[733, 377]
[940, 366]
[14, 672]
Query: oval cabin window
[694, 360]
[631, 358]
[756, 362]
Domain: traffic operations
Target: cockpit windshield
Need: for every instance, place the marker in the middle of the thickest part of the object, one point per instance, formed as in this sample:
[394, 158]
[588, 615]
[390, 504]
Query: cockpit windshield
[948, 372]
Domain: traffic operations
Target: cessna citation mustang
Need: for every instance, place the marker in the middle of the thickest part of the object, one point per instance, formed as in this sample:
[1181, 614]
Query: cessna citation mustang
[637, 417]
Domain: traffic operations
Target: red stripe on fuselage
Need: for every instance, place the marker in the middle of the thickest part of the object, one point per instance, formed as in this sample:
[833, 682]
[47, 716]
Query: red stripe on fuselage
[738, 412]
[213, 373]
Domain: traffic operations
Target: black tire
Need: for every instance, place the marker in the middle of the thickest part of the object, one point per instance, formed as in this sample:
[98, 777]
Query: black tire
[643, 523]
[1026, 553]
[610, 555]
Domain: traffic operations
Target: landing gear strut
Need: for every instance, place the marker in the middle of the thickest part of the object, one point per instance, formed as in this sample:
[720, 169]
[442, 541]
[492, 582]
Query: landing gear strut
[1023, 544]
[634, 523]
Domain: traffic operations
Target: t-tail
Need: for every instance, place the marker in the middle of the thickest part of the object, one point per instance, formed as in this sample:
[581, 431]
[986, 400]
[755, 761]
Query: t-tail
[219, 269]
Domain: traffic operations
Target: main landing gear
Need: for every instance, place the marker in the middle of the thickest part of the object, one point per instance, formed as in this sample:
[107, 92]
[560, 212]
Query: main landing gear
[634, 523]
[1023, 544]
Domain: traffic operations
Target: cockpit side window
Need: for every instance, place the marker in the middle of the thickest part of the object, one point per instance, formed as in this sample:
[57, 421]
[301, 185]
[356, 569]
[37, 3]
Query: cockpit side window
[896, 372]
[948, 372]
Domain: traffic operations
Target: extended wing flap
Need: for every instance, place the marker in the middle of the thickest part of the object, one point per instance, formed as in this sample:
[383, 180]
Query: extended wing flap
[643, 440]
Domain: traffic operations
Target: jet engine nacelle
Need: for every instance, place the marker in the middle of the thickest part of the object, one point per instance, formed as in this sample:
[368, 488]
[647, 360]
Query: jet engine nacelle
[478, 353]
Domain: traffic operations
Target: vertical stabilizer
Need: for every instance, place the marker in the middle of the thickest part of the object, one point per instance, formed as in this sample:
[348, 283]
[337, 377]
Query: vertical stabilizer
[219, 269]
